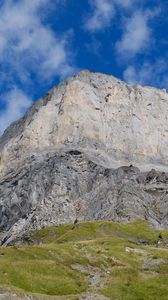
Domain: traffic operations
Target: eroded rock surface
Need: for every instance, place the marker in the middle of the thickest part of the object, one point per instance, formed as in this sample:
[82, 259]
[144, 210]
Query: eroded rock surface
[92, 148]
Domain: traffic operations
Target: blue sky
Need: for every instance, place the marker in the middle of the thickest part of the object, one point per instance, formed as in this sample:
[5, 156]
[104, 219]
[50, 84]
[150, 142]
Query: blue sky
[43, 42]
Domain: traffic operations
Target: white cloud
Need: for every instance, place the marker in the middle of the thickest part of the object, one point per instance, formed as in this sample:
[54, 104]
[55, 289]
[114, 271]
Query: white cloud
[149, 73]
[103, 11]
[16, 102]
[137, 34]
[29, 48]
[25, 39]
[101, 15]
[125, 3]
[133, 75]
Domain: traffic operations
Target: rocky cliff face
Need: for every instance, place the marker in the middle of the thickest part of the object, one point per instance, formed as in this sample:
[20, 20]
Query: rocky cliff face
[92, 148]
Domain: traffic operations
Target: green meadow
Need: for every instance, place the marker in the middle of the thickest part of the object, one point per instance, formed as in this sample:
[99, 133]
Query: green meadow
[119, 261]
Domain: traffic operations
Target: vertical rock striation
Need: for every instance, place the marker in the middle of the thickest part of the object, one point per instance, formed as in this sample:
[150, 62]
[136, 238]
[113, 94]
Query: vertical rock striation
[92, 148]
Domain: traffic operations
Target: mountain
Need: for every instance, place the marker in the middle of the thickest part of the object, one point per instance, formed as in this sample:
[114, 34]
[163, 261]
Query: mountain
[93, 148]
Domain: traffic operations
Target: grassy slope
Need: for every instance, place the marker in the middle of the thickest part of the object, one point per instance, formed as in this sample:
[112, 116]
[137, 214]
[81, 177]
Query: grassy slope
[59, 264]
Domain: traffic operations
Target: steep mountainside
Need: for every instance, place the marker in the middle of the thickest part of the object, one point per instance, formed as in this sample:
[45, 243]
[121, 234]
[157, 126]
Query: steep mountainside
[92, 148]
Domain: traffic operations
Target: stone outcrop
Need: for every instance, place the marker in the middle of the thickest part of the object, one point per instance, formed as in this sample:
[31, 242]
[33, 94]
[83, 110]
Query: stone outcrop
[92, 148]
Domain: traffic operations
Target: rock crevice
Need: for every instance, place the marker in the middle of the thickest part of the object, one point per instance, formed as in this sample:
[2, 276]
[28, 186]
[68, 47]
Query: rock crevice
[92, 148]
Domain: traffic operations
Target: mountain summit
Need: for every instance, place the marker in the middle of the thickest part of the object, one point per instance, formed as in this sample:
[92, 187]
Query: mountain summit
[92, 148]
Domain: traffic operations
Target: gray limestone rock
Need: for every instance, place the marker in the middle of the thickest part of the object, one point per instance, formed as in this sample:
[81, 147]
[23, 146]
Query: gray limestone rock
[92, 148]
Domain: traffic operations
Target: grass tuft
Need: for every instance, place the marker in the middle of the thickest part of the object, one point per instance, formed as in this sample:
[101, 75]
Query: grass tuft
[127, 257]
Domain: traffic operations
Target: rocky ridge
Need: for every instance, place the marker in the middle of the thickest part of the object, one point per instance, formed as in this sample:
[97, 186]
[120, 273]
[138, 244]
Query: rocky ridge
[92, 148]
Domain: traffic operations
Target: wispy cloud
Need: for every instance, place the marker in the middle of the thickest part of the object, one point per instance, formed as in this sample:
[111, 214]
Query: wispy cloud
[125, 3]
[29, 49]
[102, 12]
[137, 34]
[149, 73]
[15, 104]
[26, 41]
